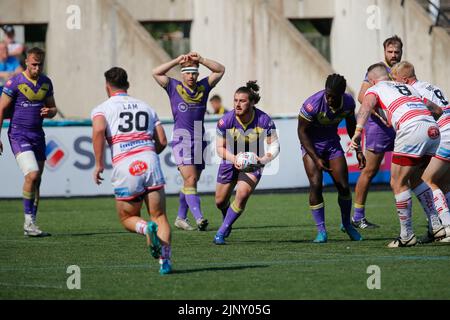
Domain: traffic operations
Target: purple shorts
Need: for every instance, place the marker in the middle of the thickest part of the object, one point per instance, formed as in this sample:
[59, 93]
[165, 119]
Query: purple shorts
[379, 138]
[228, 173]
[22, 141]
[327, 150]
[190, 153]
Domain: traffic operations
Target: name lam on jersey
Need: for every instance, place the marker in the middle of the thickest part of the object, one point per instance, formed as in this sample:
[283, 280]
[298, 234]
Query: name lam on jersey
[130, 106]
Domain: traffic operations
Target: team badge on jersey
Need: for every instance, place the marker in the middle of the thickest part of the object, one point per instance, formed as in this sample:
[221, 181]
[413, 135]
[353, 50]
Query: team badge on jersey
[433, 132]
[138, 168]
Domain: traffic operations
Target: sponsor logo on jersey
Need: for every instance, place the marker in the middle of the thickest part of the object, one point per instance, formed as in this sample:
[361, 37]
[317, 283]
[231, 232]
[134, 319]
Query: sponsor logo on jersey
[55, 153]
[309, 107]
[183, 107]
[138, 168]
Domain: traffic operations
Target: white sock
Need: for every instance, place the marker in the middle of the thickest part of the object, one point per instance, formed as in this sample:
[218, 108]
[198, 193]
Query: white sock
[441, 206]
[403, 203]
[141, 227]
[447, 197]
[425, 197]
[28, 218]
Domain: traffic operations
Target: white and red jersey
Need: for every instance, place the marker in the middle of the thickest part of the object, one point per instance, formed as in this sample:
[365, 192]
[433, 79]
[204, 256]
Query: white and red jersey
[130, 125]
[401, 102]
[434, 94]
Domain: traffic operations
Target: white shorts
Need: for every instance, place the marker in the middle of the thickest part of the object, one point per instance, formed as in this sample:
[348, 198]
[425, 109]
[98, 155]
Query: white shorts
[443, 152]
[136, 175]
[417, 139]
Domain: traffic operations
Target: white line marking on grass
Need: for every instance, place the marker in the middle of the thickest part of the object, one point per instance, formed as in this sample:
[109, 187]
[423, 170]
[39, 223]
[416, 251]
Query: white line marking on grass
[242, 263]
[24, 285]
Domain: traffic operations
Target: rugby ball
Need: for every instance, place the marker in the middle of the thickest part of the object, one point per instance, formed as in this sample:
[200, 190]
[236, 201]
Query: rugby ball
[247, 160]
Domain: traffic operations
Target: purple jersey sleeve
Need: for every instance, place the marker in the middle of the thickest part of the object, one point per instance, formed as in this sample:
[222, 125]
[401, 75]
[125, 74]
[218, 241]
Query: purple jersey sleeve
[222, 127]
[50, 88]
[308, 111]
[10, 88]
[269, 126]
[171, 85]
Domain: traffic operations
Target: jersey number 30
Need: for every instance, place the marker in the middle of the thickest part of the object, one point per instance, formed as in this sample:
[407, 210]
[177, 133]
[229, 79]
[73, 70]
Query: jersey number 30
[129, 121]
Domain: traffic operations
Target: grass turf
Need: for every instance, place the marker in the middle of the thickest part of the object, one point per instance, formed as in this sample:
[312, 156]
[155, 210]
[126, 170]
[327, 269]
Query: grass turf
[269, 254]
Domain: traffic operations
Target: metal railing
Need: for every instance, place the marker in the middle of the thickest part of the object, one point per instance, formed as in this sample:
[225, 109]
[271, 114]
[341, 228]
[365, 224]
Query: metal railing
[441, 18]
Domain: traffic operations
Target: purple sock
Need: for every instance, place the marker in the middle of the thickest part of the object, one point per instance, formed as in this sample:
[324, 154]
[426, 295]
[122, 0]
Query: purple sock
[28, 206]
[346, 209]
[193, 201]
[230, 218]
[360, 213]
[183, 207]
[319, 218]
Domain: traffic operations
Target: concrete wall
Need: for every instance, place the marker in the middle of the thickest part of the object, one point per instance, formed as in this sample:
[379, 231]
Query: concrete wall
[361, 26]
[306, 9]
[108, 37]
[254, 42]
[252, 38]
[160, 10]
[24, 11]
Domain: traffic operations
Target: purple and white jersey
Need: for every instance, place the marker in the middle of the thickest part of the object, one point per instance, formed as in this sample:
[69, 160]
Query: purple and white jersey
[246, 137]
[28, 98]
[188, 107]
[324, 121]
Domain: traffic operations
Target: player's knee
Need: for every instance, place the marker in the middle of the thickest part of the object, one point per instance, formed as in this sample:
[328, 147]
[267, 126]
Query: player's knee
[221, 202]
[315, 187]
[190, 181]
[242, 197]
[33, 177]
[370, 172]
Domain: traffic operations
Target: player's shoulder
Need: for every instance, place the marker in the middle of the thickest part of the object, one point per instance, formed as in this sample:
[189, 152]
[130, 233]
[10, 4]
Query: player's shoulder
[424, 85]
[226, 121]
[311, 103]
[348, 99]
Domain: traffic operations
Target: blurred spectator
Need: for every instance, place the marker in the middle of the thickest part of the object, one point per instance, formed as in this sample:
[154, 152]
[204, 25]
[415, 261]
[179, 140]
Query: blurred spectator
[216, 105]
[9, 66]
[15, 49]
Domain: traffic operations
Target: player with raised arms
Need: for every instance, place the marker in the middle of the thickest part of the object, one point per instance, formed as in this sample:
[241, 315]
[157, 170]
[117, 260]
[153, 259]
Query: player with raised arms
[136, 137]
[30, 94]
[437, 173]
[244, 129]
[417, 139]
[318, 122]
[188, 100]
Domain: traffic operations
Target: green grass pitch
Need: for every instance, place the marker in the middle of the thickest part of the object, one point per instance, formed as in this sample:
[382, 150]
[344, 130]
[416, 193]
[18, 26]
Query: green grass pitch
[269, 254]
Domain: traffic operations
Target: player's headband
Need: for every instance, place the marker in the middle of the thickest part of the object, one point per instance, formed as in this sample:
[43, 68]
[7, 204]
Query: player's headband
[189, 70]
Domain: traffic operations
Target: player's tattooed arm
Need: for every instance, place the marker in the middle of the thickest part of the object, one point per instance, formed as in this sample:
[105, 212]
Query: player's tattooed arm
[5, 103]
[98, 141]
[435, 110]
[49, 110]
[217, 69]
[362, 91]
[369, 103]
[160, 139]
[159, 73]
